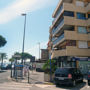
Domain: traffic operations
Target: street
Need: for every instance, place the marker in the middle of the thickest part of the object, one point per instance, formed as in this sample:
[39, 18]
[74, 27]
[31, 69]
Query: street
[4, 75]
[36, 83]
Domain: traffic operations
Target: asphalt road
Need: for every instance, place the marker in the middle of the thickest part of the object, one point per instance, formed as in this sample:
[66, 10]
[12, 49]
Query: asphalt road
[37, 79]
[36, 83]
[4, 75]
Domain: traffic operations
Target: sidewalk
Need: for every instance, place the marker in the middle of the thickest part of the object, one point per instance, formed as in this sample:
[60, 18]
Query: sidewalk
[37, 83]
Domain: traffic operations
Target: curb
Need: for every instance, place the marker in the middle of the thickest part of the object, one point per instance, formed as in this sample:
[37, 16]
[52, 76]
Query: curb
[48, 83]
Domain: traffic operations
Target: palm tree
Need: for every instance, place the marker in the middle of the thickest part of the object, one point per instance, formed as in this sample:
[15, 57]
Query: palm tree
[2, 41]
[2, 56]
[47, 67]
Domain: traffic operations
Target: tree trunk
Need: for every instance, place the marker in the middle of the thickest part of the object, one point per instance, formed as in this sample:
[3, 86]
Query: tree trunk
[2, 62]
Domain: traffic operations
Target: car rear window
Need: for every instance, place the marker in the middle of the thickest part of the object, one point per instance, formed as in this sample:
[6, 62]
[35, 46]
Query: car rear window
[63, 70]
[89, 72]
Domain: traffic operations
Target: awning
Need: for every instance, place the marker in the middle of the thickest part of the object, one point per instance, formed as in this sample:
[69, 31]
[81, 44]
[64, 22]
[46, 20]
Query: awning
[81, 59]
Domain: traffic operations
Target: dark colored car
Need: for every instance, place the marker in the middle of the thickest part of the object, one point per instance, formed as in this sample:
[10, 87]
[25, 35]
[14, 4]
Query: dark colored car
[8, 66]
[3, 67]
[68, 76]
[89, 78]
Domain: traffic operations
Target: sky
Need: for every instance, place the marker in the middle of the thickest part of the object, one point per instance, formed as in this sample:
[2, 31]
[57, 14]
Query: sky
[38, 20]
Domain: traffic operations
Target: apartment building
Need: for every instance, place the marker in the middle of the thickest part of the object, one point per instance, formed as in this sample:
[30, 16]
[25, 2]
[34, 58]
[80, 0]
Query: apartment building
[69, 39]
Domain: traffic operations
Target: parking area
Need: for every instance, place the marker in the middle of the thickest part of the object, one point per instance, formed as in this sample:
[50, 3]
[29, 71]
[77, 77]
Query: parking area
[37, 79]
[36, 83]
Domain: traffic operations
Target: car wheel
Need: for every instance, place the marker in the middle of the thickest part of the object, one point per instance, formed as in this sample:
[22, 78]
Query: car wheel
[81, 81]
[89, 83]
[74, 83]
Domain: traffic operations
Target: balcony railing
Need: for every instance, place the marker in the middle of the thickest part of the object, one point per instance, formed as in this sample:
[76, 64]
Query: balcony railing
[58, 39]
[56, 29]
[53, 39]
[58, 14]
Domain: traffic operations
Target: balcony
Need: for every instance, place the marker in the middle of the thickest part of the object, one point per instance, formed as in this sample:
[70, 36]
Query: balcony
[69, 21]
[73, 35]
[68, 7]
[88, 22]
[71, 51]
[88, 7]
[58, 14]
[74, 21]
[58, 27]
[71, 7]
[58, 40]
[53, 39]
[60, 2]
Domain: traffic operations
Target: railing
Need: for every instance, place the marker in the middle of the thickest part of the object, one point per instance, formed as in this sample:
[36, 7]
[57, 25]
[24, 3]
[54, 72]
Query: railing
[58, 39]
[53, 39]
[58, 14]
[56, 29]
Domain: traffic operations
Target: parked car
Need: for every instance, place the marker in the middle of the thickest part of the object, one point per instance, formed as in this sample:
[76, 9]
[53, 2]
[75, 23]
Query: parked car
[8, 66]
[68, 76]
[3, 67]
[88, 78]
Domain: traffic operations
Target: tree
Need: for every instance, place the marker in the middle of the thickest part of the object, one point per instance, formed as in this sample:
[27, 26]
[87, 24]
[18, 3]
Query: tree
[11, 59]
[22, 55]
[46, 66]
[17, 55]
[2, 41]
[3, 56]
[26, 56]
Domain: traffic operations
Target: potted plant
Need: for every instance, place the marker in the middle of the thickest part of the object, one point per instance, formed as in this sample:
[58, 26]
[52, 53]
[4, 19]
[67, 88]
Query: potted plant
[47, 70]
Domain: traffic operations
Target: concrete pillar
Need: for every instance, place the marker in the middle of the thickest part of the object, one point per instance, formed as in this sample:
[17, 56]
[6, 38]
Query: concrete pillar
[74, 1]
[77, 64]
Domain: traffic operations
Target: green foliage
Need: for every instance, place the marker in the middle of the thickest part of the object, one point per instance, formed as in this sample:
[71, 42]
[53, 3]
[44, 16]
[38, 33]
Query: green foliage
[3, 56]
[22, 55]
[46, 66]
[26, 56]
[16, 54]
[11, 59]
[2, 41]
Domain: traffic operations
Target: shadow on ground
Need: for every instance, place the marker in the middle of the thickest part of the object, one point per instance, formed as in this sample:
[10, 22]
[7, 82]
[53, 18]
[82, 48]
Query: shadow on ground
[78, 86]
[35, 81]
[2, 71]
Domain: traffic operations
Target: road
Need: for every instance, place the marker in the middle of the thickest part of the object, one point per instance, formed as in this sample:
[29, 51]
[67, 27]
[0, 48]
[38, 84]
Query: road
[36, 83]
[4, 75]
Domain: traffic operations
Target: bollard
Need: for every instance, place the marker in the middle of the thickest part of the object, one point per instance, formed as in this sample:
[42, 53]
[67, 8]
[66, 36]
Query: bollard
[28, 76]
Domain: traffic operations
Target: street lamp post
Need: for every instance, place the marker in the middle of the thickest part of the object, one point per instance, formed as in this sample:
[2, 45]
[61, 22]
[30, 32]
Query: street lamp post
[23, 36]
[23, 41]
[39, 50]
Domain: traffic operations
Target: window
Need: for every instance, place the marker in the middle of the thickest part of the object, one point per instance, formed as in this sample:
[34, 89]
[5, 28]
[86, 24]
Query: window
[88, 15]
[82, 30]
[59, 11]
[83, 44]
[89, 44]
[68, 13]
[80, 3]
[71, 43]
[81, 16]
[89, 30]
